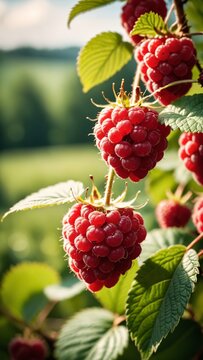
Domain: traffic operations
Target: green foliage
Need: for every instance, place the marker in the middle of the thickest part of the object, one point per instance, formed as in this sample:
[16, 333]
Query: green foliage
[185, 114]
[149, 24]
[86, 5]
[96, 65]
[159, 295]
[91, 334]
[114, 299]
[22, 289]
[65, 290]
[62, 193]
[158, 239]
[184, 342]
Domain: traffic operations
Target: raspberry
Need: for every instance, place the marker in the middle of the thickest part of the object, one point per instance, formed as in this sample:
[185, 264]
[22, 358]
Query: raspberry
[135, 8]
[140, 144]
[197, 215]
[166, 60]
[24, 349]
[106, 249]
[191, 152]
[170, 213]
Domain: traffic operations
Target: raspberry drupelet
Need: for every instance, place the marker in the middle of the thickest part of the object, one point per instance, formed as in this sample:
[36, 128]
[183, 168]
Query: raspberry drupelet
[191, 152]
[197, 215]
[133, 9]
[131, 140]
[165, 60]
[171, 213]
[101, 244]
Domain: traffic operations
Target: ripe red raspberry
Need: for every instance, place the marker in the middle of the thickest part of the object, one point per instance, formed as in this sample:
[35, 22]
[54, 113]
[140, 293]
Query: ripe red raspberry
[133, 9]
[107, 247]
[191, 152]
[23, 349]
[197, 215]
[163, 61]
[134, 142]
[171, 213]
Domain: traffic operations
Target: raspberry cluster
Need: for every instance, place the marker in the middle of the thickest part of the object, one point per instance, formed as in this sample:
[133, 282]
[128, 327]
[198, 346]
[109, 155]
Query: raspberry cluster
[197, 215]
[102, 244]
[131, 140]
[133, 9]
[27, 349]
[163, 61]
[191, 152]
[170, 213]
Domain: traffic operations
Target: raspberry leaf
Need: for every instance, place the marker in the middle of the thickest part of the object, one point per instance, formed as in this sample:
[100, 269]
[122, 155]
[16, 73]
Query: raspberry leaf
[149, 24]
[86, 5]
[156, 303]
[91, 335]
[61, 193]
[25, 302]
[185, 114]
[66, 290]
[96, 66]
[114, 299]
[163, 238]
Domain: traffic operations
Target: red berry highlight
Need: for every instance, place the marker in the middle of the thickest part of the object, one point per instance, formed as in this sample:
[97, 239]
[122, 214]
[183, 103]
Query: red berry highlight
[197, 215]
[164, 61]
[137, 146]
[170, 213]
[107, 247]
[191, 152]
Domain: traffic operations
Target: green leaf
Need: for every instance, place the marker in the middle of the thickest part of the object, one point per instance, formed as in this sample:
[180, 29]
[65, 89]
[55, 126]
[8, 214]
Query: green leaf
[149, 24]
[114, 299]
[182, 344]
[101, 58]
[22, 289]
[159, 295]
[158, 182]
[61, 193]
[86, 5]
[91, 335]
[65, 290]
[163, 238]
[185, 114]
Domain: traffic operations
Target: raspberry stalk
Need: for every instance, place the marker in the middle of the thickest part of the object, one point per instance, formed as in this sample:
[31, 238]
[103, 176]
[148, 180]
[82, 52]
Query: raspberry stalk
[109, 184]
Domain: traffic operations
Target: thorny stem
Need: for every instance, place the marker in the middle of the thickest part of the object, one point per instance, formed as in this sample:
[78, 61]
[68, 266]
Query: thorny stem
[200, 253]
[44, 313]
[195, 241]
[109, 184]
[50, 338]
[181, 17]
[182, 21]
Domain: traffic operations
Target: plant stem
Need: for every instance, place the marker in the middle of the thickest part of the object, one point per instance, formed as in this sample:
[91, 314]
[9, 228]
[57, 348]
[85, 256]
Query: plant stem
[187, 81]
[135, 84]
[200, 253]
[109, 184]
[195, 241]
[181, 17]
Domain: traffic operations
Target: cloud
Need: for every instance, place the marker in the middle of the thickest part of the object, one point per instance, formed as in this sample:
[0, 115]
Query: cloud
[43, 23]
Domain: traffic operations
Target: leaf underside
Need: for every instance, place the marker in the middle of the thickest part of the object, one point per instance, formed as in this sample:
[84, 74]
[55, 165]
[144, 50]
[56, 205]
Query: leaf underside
[61, 193]
[91, 335]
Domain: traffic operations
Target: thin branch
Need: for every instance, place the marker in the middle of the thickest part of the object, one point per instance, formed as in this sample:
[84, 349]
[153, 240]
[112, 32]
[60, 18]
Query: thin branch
[195, 241]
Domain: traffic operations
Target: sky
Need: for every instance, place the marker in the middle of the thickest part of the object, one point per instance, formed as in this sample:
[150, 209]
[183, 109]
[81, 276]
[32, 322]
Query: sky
[43, 23]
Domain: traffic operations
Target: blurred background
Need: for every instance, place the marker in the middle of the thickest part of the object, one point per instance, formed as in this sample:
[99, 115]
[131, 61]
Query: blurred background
[45, 136]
